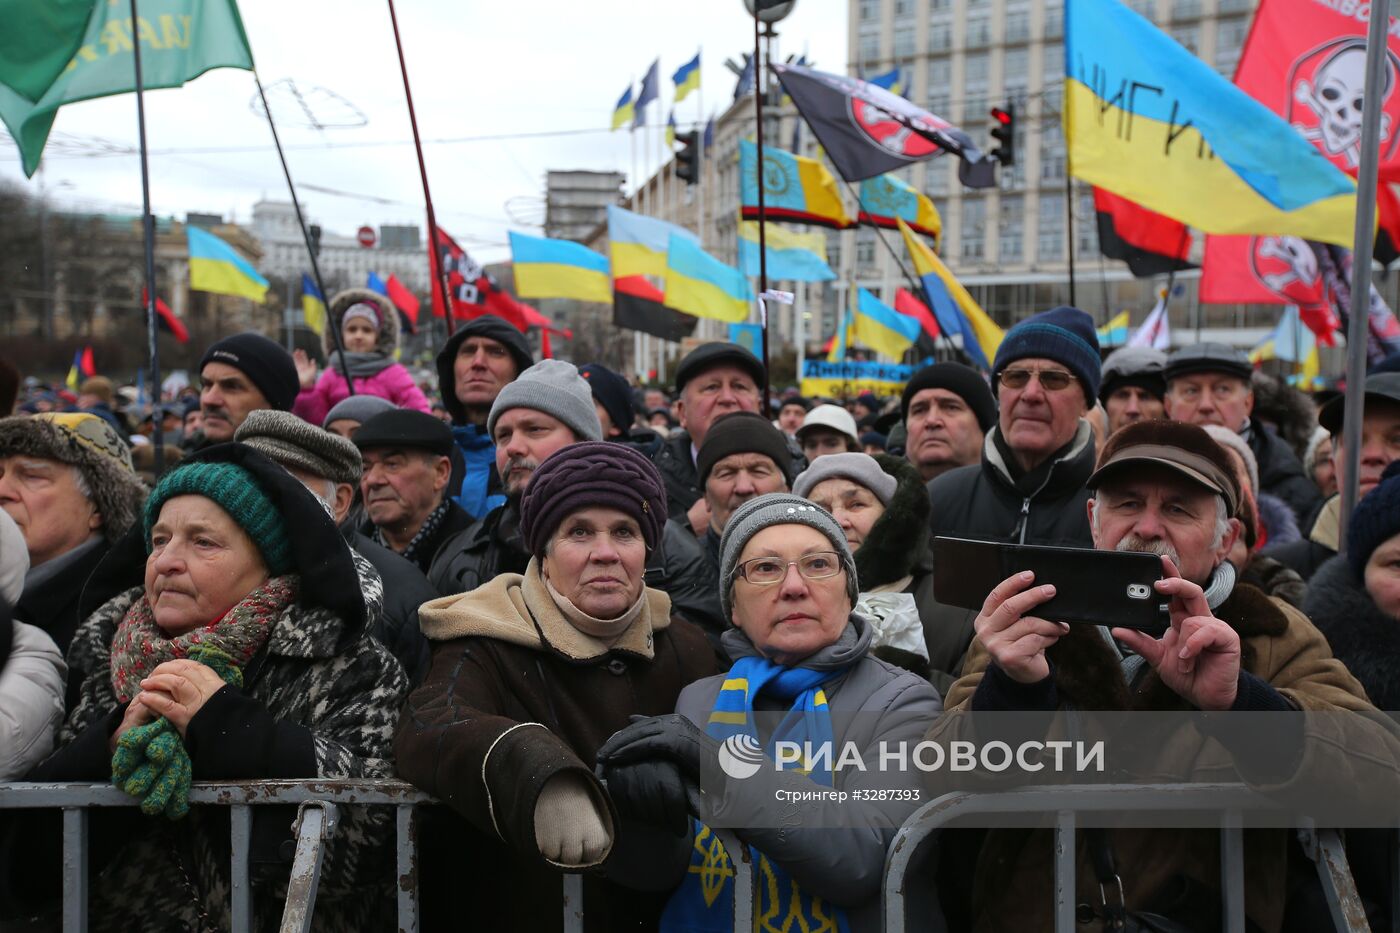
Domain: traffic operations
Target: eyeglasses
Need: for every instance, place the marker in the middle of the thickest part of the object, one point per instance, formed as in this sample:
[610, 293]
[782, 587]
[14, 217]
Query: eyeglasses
[765, 571]
[1051, 380]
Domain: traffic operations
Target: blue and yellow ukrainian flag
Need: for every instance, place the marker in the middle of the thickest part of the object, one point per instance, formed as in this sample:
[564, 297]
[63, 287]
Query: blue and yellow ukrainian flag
[687, 78]
[885, 197]
[954, 308]
[313, 305]
[881, 327]
[637, 244]
[699, 284]
[1115, 332]
[793, 257]
[216, 267]
[547, 268]
[895, 81]
[1150, 122]
[794, 188]
[671, 128]
[623, 112]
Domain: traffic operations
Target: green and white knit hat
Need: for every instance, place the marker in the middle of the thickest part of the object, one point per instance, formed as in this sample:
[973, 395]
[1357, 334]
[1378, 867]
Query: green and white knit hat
[234, 490]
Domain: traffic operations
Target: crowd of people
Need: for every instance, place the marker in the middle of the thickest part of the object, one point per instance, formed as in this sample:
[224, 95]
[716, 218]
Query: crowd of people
[546, 596]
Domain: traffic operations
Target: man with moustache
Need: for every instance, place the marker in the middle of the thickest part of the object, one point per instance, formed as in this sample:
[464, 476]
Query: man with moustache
[1029, 487]
[238, 375]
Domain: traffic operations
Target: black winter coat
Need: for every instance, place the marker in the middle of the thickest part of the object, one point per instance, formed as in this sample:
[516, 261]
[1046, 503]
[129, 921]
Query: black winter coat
[405, 589]
[982, 500]
[1281, 473]
[55, 605]
[1362, 637]
[677, 468]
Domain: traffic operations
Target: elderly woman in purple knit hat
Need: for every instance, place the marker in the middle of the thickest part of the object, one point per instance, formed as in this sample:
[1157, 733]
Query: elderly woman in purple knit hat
[530, 674]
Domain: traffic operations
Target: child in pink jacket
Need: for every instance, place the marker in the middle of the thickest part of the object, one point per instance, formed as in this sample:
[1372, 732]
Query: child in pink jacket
[369, 332]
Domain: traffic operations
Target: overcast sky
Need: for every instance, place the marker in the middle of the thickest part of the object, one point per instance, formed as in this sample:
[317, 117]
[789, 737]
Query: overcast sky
[477, 70]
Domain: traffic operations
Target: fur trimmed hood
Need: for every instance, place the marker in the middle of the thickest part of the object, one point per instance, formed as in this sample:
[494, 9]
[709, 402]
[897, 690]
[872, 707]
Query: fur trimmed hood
[388, 341]
[898, 542]
[1362, 637]
[103, 459]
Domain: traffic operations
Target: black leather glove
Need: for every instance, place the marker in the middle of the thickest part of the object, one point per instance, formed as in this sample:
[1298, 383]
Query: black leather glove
[650, 791]
[670, 738]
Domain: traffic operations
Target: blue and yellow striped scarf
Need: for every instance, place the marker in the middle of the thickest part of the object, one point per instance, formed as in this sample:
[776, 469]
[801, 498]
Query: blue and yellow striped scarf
[704, 901]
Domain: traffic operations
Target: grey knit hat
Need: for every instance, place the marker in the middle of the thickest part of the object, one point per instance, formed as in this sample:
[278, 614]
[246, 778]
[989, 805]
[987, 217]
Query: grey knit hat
[357, 408]
[286, 439]
[857, 467]
[555, 388]
[777, 508]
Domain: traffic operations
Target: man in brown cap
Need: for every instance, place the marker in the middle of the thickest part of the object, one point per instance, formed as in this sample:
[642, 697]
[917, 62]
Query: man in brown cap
[1163, 488]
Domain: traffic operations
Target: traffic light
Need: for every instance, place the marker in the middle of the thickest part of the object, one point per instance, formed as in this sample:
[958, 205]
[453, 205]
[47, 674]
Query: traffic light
[315, 232]
[1004, 132]
[688, 159]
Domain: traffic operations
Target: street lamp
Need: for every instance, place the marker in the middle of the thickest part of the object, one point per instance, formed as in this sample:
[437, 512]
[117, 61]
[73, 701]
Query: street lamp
[770, 11]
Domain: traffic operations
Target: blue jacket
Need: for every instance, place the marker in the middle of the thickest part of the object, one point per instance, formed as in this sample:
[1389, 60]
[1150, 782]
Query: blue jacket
[481, 490]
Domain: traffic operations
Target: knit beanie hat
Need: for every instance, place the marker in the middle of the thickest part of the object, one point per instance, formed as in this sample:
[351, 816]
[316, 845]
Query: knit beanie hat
[14, 560]
[613, 393]
[963, 381]
[777, 508]
[588, 475]
[857, 467]
[284, 438]
[361, 311]
[1134, 366]
[357, 408]
[743, 432]
[1375, 521]
[90, 444]
[1065, 335]
[233, 489]
[555, 388]
[263, 361]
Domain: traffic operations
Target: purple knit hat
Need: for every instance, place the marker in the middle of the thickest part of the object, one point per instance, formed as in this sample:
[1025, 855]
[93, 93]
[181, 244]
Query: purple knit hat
[588, 475]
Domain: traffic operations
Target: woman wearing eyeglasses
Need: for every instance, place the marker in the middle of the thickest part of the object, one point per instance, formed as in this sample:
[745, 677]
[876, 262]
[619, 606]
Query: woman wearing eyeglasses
[803, 695]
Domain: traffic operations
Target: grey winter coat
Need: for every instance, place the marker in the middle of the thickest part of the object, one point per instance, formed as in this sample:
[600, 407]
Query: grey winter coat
[983, 501]
[843, 865]
[31, 700]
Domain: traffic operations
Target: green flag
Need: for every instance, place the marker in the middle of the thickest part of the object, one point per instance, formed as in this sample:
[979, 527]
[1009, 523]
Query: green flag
[180, 40]
[39, 39]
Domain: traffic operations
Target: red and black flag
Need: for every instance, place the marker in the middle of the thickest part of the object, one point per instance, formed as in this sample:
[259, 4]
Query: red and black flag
[1150, 243]
[868, 131]
[638, 305]
[167, 321]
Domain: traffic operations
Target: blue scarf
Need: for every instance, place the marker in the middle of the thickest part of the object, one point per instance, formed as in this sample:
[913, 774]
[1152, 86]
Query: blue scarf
[704, 902]
[479, 454]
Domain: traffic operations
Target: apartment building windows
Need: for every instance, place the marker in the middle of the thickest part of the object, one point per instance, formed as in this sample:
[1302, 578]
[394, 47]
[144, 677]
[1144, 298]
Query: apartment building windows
[974, 228]
[940, 35]
[940, 83]
[1050, 226]
[1010, 229]
[869, 47]
[1229, 41]
[1052, 154]
[865, 251]
[903, 39]
[1188, 36]
[977, 68]
[1054, 21]
[979, 31]
[869, 11]
[1016, 24]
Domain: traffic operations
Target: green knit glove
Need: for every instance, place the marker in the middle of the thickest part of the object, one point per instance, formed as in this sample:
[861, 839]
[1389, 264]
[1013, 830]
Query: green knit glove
[151, 762]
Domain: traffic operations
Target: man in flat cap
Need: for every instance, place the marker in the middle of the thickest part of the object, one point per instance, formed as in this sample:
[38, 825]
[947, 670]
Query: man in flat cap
[480, 359]
[714, 379]
[407, 466]
[241, 374]
[1208, 383]
[329, 466]
[1133, 387]
[1168, 489]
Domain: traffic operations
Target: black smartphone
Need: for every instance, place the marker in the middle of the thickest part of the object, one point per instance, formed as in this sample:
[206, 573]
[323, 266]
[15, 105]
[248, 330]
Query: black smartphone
[1091, 587]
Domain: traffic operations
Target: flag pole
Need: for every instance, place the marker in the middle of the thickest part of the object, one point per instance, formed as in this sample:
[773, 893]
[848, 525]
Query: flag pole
[442, 284]
[305, 236]
[762, 222]
[1069, 224]
[1377, 56]
[148, 238]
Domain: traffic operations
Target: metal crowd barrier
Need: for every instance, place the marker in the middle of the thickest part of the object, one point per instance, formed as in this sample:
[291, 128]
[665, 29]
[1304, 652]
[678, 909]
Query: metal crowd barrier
[318, 804]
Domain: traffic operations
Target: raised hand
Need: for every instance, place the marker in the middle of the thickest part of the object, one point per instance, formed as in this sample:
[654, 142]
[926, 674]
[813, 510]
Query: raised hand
[1017, 641]
[1199, 655]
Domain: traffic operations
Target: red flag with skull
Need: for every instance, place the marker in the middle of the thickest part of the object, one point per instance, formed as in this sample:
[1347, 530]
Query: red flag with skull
[1268, 270]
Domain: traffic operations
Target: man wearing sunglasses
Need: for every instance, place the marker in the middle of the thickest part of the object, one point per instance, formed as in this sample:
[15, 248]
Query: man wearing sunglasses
[1029, 487]
[1209, 383]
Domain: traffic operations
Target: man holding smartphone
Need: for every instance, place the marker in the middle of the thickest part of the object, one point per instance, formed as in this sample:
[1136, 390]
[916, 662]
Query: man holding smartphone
[1165, 488]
